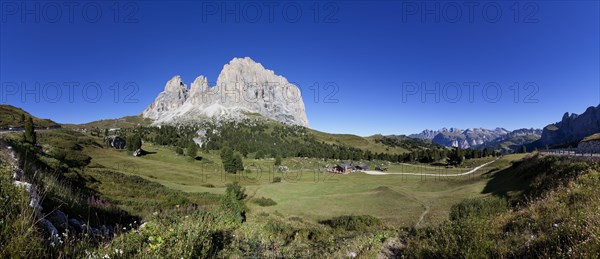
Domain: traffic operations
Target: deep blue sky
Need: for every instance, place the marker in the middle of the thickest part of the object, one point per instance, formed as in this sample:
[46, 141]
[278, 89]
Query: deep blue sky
[369, 49]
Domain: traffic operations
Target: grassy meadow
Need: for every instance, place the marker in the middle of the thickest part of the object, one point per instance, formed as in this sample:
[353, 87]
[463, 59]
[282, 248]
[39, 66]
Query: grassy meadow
[397, 199]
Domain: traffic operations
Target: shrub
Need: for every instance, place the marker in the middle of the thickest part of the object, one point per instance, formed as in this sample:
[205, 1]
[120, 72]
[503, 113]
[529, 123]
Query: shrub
[345, 222]
[264, 202]
[276, 179]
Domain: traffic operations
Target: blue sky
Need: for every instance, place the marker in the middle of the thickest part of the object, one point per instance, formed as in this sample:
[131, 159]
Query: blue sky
[384, 57]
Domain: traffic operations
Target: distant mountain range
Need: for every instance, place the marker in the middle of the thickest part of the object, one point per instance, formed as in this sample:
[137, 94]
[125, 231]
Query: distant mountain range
[498, 138]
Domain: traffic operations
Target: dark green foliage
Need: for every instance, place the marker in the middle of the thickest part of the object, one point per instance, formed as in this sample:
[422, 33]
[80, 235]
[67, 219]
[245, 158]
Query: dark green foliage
[265, 139]
[192, 149]
[276, 179]
[278, 160]
[179, 151]
[523, 149]
[232, 161]
[232, 202]
[264, 202]
[352, 223]
[29, 134]
[133, 142]
[456, 157]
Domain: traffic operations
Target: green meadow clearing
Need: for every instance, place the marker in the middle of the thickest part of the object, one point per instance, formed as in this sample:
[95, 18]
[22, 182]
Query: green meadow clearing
[397, 199]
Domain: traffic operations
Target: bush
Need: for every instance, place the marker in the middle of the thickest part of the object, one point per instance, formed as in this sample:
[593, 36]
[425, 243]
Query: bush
[276, 179]
[264, 202]
[351, 223]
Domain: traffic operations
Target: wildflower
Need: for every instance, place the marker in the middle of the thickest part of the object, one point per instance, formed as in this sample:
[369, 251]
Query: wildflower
[106, 256]
[118, 251]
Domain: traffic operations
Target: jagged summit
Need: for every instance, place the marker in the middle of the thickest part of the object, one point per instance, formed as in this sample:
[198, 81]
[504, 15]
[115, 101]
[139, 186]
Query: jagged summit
[243, 86]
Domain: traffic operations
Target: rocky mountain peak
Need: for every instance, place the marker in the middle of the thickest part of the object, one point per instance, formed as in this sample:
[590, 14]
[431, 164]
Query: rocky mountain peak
[571, 128]
[243, 86]
[176, 84]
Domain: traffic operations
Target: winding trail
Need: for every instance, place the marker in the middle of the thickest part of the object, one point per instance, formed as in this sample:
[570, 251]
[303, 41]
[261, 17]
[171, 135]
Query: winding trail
[422, 215]
[430, 174]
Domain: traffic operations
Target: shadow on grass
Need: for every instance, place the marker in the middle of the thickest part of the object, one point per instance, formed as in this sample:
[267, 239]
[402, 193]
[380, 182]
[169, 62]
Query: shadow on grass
[510, 182]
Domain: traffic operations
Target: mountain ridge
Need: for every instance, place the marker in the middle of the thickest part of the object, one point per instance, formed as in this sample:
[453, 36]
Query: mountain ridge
[243, 86]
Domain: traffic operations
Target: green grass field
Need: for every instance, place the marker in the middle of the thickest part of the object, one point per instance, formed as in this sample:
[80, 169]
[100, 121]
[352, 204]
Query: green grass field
[397, 199]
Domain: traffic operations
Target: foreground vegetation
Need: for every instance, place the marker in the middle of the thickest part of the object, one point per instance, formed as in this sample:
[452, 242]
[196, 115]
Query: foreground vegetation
[540, 207]
[166, 204]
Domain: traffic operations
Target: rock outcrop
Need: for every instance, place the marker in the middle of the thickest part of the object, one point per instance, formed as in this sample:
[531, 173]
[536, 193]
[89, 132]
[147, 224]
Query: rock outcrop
[571, 129]
[243, 87]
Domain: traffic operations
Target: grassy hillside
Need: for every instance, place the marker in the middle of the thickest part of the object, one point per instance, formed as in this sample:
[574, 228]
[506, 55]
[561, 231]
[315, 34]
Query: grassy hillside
[11, 116]
[514, 207]
[124, 122]
[539, 207]
[592, 137]
[364, 143]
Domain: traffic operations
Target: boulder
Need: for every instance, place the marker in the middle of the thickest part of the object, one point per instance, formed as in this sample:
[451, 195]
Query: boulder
[76, 225]
[34, 198]
[18, 174]
[137, 152]
[59, 219]
[49, 228]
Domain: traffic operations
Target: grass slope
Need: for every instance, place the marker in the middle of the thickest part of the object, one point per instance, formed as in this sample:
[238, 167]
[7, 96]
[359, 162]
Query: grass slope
[11, 116]
[124, 122]
[367, 143]
[396, 199]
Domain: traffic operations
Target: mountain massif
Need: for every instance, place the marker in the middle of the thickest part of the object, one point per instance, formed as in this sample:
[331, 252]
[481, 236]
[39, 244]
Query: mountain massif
[571, 129]
[243, 87]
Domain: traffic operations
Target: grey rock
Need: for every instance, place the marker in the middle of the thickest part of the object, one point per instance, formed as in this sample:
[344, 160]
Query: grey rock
[59, 219]
[77, 225]
[571, 129]
[115, 142]
[50, 229]
[243, 87]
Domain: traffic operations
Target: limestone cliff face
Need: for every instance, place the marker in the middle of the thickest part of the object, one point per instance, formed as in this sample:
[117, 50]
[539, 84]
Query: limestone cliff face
[572, 128]
[169, 100]
[243, 87]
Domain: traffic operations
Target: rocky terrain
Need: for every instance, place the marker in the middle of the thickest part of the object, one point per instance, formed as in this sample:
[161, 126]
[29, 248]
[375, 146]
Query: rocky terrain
[468, 138]
[571, 129]
[243, 87]
[514, 139]
[498, 138]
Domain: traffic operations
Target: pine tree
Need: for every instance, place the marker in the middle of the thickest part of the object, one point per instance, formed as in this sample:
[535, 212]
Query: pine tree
[29, 135]
[278, 160]
[192, 149]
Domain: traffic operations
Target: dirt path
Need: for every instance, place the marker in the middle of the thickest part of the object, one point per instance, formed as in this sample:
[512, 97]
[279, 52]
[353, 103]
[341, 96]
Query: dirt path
[430, 174]
[422, 215]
